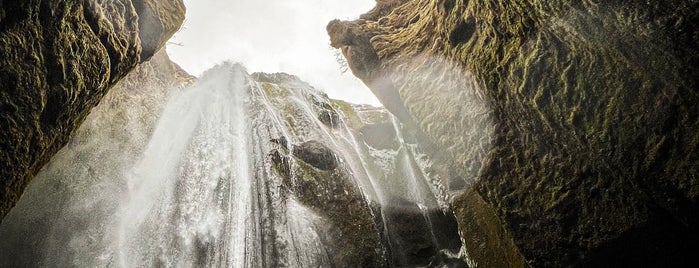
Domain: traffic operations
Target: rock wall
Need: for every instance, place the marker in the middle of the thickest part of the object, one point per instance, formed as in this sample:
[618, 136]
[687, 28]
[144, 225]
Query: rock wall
[59, 205]
[57, 60]
[575, 122]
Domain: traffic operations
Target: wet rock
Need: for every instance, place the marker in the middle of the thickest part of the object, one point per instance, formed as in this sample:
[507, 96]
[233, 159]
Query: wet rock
[410, 244]
[275, 78]
[329, 117]
[447, 260]
[58, 59]
[282, 165]
[351, 237]
[108, 142]
[326, 113]
[380, 136]
[316, 154]
[281, 141]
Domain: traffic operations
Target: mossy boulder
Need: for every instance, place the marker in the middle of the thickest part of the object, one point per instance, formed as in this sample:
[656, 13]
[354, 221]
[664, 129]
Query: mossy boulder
[351, 237]
[316, 154]
[574, 122]
[57, 60]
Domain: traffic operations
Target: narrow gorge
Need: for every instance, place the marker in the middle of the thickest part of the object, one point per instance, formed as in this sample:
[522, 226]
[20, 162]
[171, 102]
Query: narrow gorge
[512, 134]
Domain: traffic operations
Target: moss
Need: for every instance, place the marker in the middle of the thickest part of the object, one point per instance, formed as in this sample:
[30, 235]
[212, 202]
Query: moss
[483, 235]
[581, 94]
[333, 195]
[275, 90]
[348, 112]
[59, 60]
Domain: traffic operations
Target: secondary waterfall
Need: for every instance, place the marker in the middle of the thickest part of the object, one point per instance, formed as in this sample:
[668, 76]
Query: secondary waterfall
[241, 170]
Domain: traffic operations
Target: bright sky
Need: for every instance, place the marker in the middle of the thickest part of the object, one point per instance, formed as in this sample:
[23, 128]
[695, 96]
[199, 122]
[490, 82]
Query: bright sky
[270, 36]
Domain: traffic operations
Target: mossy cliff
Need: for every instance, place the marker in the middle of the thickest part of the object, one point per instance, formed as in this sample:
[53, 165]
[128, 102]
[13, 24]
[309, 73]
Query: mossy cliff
[371, 184]
[111, 139]
[576, 122]
[57, 60]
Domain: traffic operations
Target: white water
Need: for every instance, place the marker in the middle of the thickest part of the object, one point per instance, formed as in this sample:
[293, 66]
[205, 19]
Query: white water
[204, 193]
[193, 184]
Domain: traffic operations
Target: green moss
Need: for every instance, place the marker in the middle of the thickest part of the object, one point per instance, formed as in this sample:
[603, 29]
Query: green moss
[334, 195]
[483, 235]
[275, 90]
[348, 112]
[590, 101]
[58, 61]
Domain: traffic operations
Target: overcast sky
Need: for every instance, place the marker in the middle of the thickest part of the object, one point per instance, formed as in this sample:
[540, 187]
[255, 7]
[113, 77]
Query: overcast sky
[270, 36]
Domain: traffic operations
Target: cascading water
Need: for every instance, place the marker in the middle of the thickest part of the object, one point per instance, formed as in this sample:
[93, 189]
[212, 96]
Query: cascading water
[193, 185]
[241, 171]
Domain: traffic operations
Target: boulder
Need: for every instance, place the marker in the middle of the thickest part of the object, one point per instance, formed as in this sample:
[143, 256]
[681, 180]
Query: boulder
[316, 154]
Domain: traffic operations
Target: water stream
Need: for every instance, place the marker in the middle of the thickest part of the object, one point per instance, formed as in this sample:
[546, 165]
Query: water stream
[230, 178]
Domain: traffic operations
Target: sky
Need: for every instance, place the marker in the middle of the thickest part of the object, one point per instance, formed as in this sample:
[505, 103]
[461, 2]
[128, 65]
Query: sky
[270, 36]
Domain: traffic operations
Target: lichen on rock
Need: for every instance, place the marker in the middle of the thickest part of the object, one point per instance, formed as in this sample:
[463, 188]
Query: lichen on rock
[57, 60]
[587, 107]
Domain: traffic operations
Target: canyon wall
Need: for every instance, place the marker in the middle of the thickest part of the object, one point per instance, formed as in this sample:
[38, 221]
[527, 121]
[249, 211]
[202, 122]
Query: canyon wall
[573, 125]
[57, 60]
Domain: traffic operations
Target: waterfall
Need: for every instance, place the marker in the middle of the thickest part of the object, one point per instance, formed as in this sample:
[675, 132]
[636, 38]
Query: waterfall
[241, 170]
[193, 185]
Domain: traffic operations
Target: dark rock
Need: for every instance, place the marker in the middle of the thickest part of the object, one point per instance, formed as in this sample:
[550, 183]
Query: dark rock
[281, 141]
[57, 60]
[351, 237]
[316, 154]
[329, 117]
[410, 244]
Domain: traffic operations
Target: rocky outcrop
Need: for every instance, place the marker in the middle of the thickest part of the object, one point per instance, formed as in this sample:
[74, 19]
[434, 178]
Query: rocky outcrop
[361, 174]
[57, 60]
[575, 122]
[316, 154]
[350, 235]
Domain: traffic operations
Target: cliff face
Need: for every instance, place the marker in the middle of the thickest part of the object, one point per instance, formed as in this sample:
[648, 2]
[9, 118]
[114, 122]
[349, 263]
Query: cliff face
[159, 174]
[38, 229]
[576, 122]
[57, 60]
